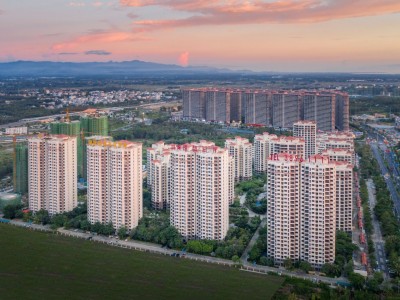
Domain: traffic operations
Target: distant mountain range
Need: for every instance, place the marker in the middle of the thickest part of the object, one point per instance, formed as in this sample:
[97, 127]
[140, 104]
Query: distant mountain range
[125, 68]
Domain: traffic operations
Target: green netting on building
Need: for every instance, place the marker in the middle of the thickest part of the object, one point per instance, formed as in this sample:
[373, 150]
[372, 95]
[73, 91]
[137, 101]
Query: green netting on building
[72, 128]
[21, 169]
[96, 125]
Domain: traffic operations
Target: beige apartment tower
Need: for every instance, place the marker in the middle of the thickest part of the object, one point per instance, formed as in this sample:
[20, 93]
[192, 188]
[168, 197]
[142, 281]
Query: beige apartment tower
[283, 194]
[242, 152]
[308, 131]
[318, 211]
[200, 183]
[262, 151]
[344, 196]
[301, 209]
[52, 173]
[115, 183]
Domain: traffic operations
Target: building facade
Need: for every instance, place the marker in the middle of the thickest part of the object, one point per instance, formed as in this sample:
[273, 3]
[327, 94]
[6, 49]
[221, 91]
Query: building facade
[115, 183]
[262, 151]
[308, 131]
[286, 109]
[302, 210]
[242, 152]
[52, 173]
[283, 194]
[279, 109]
[200, 186]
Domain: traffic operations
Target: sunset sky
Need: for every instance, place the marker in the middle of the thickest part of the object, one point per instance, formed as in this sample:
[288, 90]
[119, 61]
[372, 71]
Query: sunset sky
[269, 35]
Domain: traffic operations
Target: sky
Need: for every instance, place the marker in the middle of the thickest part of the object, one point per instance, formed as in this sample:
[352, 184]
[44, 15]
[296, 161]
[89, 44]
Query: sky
[259, 35]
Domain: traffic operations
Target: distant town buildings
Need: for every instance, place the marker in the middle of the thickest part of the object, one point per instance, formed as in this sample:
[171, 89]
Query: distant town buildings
[114, 183]
[17, 130]
[52, 179]
[279, 109]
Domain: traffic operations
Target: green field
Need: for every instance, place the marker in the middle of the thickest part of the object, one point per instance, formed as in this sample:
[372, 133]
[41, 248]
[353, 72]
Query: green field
[36, 265]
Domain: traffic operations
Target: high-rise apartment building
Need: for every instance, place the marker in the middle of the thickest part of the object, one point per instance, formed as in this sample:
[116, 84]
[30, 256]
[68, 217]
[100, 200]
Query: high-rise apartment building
[288, 144]
[218, 106]
[256, 107]
[194, 106]
[318, 211]
[280, 109]
[160, 183]
[286, 109]
[321, 108]
[70, 128]
[266, 144]
[308, 131]
[94, 124]
[339, 154]
[52, 173]
[199, 190]
[342, 111]
[262, 151]
[344, 195]
[302, 210]
[283, 194]
[335, 140]
[236, 106]
[242, 152]
[114, 172]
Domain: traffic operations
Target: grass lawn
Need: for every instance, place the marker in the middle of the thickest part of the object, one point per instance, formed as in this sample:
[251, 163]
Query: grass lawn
[36, 265]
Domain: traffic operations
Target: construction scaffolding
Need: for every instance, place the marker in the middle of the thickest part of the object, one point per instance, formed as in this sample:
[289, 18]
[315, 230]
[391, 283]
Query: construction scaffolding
[20, 168]
[95, 125]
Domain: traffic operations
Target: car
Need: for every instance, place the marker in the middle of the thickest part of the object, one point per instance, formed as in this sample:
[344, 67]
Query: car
[177, 255]
[173, 254]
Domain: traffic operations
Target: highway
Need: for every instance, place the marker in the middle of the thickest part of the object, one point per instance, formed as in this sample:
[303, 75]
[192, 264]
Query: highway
[115, 108]
[384, 170]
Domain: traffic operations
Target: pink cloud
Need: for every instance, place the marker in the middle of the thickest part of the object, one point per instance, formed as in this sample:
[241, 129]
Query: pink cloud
[184, 59]
[98, 37]
[232, 12]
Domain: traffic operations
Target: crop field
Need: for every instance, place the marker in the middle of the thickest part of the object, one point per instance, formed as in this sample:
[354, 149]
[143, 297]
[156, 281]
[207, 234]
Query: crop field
[36, 265]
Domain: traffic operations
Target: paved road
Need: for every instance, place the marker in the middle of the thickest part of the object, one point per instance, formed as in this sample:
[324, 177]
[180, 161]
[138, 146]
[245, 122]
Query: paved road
[252, 242]
[116, 108]
[377, 237]
[392, 189]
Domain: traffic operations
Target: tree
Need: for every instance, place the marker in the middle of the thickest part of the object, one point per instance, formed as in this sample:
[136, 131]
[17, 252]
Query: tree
[10, 210]
[41, 217]
[255, 253]
[331, 270]
[305, 266]
[122, 232]
[357, 280]
[287, 263]
[235, 259]
[265, 261]
[108, 229]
